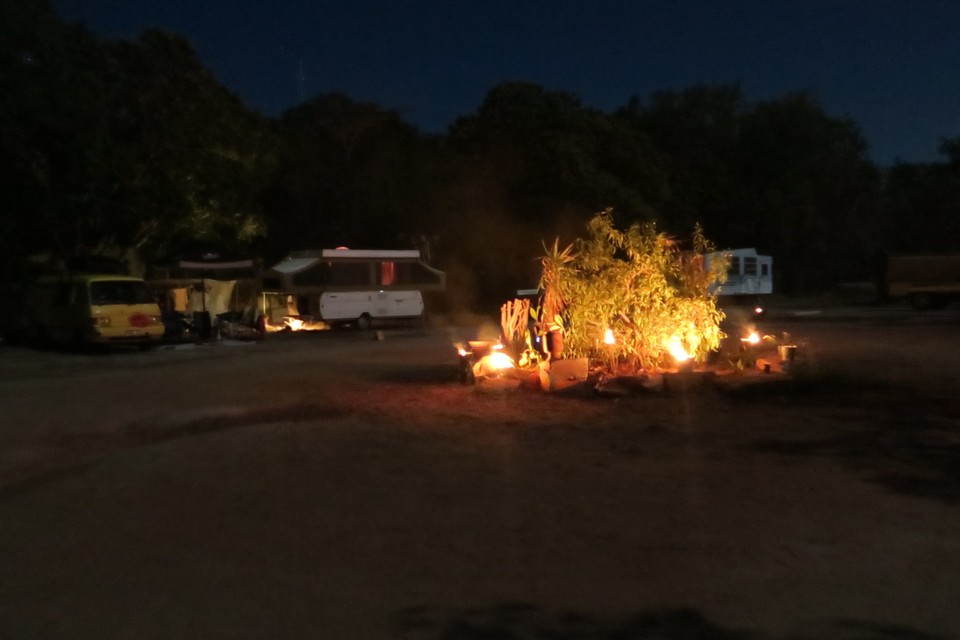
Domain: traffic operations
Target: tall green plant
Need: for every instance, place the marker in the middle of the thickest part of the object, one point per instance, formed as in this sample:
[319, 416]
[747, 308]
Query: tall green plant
[639, 285]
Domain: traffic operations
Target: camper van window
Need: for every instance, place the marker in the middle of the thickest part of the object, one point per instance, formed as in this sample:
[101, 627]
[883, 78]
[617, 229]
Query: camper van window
[119, 292]
[61, 297]
[388, 273]
[734, 268]
[764, 270]
[750, 266]
[80, 294]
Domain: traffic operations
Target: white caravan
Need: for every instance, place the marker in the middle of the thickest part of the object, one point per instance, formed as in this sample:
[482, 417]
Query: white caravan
[340, 286]
[365, 306]
[748, 273]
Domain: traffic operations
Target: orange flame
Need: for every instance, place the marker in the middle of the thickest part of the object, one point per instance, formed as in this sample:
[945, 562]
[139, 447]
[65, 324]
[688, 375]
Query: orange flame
[498, 360]
[608, 337]
[675, 348]
[492, 364]
[295, 323]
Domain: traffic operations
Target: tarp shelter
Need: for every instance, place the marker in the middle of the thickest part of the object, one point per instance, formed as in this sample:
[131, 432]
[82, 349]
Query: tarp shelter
[206, 285]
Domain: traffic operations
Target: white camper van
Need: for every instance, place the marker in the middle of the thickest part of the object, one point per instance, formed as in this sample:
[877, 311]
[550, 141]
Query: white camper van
[358, 286]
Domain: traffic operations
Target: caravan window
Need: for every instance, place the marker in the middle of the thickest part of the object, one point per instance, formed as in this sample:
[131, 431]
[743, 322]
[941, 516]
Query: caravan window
[388, 273]
[734, 268]
[350, 273]
[414, 273]
[318, 274]
[750, 266]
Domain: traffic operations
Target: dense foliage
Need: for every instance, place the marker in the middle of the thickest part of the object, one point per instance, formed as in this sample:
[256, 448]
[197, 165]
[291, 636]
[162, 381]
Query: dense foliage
[633, 294]
[133, 149]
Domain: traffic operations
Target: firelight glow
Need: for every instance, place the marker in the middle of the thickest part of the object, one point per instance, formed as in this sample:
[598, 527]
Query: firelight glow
[753, 338]
[675, 348]
[492, 364]
[608, 337]
[293, 323]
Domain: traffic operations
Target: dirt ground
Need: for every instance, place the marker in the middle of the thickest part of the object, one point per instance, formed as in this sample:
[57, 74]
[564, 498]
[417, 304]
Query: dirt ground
[332, 485]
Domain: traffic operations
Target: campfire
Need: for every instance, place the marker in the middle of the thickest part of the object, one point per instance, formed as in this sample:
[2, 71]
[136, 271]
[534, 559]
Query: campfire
[619, 307]
[483, 359]
[295, 323]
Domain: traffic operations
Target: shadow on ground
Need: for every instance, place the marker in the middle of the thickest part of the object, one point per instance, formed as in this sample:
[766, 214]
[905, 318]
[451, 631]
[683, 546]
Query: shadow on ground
[524, 621]
[908, 443]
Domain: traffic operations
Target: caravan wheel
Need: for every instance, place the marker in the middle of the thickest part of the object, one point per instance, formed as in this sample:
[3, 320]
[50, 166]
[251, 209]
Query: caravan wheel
[364, 322]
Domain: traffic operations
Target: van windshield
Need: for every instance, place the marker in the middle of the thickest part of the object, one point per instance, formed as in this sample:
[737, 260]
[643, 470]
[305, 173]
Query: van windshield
[119, 292]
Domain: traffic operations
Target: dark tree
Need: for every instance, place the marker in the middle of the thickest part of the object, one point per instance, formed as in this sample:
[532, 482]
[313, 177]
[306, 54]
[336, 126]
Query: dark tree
[349, 173]
[120, 148]
[693, 135]
[809, 195]
[922, 203]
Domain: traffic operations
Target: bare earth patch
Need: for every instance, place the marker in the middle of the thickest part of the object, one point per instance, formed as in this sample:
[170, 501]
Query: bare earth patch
[334, 486]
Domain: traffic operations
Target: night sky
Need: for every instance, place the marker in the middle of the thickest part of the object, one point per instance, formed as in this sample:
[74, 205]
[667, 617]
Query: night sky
[893, 66]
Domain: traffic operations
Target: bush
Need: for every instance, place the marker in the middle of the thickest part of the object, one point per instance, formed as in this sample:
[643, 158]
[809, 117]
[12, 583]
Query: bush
[651, 296]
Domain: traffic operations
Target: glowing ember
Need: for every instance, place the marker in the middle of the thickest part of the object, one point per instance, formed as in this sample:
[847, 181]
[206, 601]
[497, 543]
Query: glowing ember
[498, 360]
[270, 327]
[608, 337]
[753, 338]
[675, 348]
[295, 323]
[492, 365]
[482, 359]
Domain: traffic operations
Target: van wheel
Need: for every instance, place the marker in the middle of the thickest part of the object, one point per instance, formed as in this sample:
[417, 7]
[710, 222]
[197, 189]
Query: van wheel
[364, 322]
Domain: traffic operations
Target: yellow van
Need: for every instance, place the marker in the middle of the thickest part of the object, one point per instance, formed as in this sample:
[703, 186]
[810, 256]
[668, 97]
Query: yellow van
[92, 309]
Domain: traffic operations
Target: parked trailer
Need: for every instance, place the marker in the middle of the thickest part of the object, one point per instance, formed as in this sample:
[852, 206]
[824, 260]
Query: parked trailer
[927, 281]
[748, 273]
[359, 286]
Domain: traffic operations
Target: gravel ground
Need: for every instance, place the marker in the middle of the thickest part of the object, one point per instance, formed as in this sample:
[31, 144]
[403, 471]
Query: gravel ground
[335, 486]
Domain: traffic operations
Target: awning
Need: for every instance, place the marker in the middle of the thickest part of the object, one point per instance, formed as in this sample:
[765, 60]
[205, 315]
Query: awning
[295, 265]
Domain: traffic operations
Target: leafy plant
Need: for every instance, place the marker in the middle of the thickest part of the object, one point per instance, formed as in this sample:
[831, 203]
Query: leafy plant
[640, 286]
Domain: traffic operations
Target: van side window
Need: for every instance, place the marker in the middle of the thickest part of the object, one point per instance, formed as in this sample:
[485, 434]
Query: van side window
[80, 294]
[61, 296]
